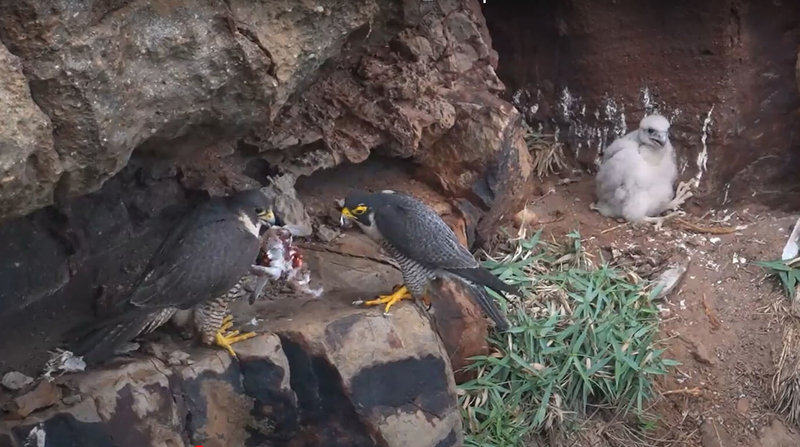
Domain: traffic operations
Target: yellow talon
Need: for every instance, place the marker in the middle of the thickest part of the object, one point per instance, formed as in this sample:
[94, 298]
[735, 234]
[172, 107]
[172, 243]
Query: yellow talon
[390, 300]
[226, 339]
[227, 323]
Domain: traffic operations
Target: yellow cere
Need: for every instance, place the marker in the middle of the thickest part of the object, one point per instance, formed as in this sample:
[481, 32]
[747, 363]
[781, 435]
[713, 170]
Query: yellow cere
[346, 213]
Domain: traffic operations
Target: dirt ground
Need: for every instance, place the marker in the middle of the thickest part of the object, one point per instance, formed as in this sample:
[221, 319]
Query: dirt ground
[721, 322]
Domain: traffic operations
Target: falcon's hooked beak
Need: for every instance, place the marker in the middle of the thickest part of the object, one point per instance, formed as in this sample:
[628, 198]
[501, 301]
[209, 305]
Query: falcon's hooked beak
[267, 217]
[346, 214]
[660, 138]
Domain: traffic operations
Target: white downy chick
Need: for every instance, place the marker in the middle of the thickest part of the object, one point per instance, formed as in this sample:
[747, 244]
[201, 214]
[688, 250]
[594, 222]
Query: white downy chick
[638, 172]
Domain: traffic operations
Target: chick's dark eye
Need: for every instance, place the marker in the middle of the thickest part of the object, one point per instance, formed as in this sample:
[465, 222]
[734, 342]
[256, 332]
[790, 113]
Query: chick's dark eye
[260, 210]
[650, 130]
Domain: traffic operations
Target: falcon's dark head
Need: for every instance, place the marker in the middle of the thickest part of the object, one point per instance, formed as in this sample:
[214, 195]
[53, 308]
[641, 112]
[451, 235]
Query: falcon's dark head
[359, 206]
[255, 205]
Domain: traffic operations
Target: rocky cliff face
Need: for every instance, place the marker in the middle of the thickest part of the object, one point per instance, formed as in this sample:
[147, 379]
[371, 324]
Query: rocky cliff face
[121, 115]
[171, 101]
[313, 85]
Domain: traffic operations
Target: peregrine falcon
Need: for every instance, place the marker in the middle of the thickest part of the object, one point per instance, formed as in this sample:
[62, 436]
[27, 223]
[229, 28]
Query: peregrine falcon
[201, 259]
[424, 247]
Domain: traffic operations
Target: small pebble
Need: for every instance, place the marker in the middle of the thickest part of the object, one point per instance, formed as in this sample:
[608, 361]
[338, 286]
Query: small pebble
[15, 380]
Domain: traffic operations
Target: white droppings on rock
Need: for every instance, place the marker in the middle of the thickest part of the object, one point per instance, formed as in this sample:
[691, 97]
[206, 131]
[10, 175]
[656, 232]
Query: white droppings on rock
[37, 437]
[702, 157]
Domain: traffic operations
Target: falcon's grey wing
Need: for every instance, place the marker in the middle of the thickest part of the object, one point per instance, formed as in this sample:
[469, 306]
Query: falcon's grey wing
[187, 273]
[420, 234]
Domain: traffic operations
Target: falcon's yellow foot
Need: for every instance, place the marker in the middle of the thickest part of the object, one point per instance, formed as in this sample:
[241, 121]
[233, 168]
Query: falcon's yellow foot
[226, 339]
[400, 293]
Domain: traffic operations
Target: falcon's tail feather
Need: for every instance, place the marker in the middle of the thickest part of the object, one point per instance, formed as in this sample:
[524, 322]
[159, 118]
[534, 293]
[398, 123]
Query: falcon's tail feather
[489, 306]
[481, 275]
[102, 343]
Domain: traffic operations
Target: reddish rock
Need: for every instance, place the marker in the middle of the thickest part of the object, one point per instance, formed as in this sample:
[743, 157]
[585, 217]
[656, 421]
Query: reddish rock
[460, 323]
[459, 227]
[45, 394]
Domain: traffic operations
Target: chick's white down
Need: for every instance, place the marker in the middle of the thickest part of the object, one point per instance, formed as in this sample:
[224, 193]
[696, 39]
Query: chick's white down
[637, 174]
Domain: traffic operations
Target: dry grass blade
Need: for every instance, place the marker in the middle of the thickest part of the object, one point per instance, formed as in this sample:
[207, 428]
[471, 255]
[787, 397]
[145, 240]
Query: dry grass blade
[695, 392]
[707, 230]
[713, 320]
[547, 154]
[786, 381]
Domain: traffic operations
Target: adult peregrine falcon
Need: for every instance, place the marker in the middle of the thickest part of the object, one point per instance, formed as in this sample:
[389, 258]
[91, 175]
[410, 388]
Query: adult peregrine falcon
[201, 259]
[424, 246]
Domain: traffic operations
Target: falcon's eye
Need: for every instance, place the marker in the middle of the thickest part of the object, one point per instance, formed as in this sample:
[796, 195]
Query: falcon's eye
[650, 130]
[360, 209]
[260, 211]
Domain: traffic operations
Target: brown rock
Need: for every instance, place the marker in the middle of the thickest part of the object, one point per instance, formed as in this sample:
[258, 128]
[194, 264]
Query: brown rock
[460, 323]
[287, 205]
[391, 375]
[701, 352]
[411, 46]
[162, 80]
[217, 401]
[29, 166]
[224, 409]
[459, 227]
[45, 394]
[352, 264]
[487, 138]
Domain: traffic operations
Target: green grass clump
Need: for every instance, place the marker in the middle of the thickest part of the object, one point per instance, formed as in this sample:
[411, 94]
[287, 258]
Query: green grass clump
[582, 337]
[788, 272]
